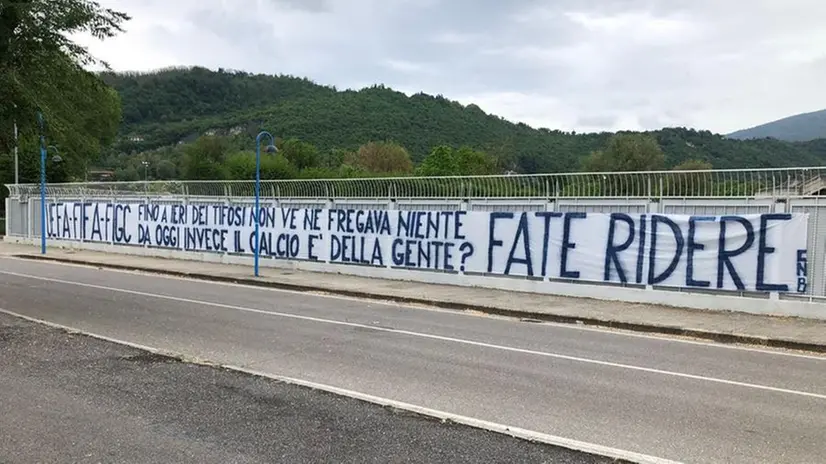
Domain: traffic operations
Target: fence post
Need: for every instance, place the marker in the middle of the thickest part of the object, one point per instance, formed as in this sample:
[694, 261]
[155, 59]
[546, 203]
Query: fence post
[21, 224]
[654, 206]
[30, 214]
[551, 205]
[114, 201]
[391, 206]
[82, 216]
[145, 209]
[276, 204]
[188, 216]
[781, 205]
[8, 216]
[329, 203]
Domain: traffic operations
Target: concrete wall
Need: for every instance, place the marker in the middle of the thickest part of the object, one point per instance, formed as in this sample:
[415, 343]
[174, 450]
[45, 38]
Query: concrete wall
[24, 225]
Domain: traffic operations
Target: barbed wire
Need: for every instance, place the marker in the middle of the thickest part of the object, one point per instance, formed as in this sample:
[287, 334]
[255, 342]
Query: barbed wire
[786, 182]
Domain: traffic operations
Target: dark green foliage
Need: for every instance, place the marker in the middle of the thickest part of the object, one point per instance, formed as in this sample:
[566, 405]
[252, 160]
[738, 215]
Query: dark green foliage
[385, 158]
[464, 161]
[627, 152]
[184, 94]
[242, 166]
[41, 70]
[681, 144]
[300, 154]
[179, 105]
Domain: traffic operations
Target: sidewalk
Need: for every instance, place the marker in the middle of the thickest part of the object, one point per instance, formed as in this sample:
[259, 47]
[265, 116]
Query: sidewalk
[794, 333]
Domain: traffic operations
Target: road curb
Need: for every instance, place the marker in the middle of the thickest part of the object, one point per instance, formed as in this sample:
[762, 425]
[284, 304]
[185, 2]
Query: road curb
[720, 337]
[617, 456]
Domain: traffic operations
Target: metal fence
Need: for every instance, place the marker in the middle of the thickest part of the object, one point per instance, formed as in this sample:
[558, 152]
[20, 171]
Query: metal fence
[668, 192]
[792, 182]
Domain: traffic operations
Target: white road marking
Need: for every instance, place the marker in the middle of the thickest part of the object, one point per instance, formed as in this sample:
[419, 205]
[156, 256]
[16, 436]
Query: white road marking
[430, 336]
[377, 300]
[525, 434]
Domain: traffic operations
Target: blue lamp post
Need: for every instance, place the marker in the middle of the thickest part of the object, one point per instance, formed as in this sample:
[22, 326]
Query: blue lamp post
[270, 149]
[56, 159]
[42, 184]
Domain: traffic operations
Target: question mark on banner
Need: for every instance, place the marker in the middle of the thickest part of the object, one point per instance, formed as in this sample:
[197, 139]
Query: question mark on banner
[467, 250]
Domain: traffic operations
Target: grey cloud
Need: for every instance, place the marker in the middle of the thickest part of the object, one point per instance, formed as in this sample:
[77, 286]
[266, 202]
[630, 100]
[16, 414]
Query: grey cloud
[308, 5]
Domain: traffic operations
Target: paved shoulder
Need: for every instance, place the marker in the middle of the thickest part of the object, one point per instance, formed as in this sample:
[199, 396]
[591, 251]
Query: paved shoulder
[796, 333]
[70, 398]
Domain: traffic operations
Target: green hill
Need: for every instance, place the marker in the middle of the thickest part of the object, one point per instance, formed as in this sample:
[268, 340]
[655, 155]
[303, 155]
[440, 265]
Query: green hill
[178, 105]
[798, 128]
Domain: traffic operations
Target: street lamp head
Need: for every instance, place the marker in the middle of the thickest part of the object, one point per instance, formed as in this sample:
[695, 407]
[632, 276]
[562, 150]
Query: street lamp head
[57, 158]
[271, 149]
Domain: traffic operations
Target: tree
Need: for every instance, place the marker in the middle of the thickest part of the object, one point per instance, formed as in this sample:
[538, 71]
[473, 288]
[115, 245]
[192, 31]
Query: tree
[334, 158]
[241, 166]
[41, 68]
[166, 169]
[383, 158]
[129, 174]
[440, 162]
[277, 167]
[204, 159]
[300, 154]
[465, 161]
[476, 163]
[627, 152]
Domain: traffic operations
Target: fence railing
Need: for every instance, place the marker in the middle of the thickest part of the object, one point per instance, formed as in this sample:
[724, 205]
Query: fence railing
[789, 182]
[791, 190]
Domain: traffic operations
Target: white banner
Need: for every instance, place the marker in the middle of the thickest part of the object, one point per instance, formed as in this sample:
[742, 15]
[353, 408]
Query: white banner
[760, 252]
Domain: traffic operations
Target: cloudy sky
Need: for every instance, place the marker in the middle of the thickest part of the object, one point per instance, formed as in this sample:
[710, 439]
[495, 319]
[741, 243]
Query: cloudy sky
[584, 65]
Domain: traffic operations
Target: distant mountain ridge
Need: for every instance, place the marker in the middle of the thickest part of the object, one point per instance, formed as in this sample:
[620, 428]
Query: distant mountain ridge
[798, 128]
[173, 106]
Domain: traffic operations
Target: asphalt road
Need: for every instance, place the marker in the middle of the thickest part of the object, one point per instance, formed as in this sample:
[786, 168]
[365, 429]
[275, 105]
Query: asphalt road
[71, 398]
[670, 398]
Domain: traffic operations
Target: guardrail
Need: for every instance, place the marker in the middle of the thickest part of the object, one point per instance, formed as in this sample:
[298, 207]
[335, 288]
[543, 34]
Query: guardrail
[736, 183]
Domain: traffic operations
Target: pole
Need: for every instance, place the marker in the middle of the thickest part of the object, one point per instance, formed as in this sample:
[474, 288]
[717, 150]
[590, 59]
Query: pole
[257, 201]
[145, 177]
[16, 159]
[258, 192]
[42, 184]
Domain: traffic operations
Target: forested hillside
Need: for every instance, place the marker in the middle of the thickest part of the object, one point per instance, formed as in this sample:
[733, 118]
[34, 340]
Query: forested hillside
[797, 128]
[175, 105]
[200, 124]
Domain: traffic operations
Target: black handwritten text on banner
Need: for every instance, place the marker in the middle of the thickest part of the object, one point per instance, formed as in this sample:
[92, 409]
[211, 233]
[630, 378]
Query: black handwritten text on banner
[760, 252]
